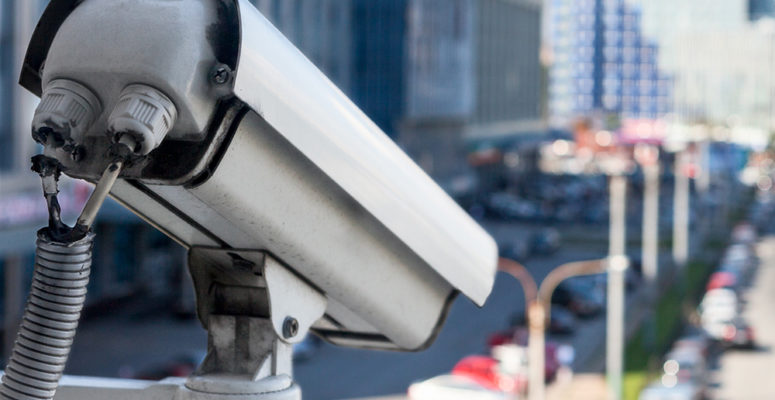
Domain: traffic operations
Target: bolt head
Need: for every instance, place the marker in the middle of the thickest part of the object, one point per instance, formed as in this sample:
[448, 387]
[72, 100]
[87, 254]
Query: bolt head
[221, 74]
[290, 327]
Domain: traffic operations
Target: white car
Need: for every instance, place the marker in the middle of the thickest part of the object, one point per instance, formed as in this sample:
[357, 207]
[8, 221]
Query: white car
[453, 387]
[679, 391]
[686, 366]
[718, 306]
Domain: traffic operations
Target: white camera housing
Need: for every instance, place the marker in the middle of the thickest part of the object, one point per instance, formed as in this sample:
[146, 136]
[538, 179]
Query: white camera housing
[266, 156]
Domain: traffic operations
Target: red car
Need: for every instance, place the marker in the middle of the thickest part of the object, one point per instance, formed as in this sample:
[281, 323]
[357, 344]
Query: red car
[485, 371]
[721, 279]
[518, 336]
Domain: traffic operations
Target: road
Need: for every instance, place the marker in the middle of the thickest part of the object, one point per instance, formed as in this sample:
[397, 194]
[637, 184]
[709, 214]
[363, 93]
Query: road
[748, 375]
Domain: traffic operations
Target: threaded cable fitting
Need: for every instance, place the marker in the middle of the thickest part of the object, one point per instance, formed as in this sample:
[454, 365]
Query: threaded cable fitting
[50, 318]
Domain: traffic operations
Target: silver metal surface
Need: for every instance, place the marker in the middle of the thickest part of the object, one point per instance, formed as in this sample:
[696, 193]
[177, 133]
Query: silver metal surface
[316, 118]
[290, 297]
[295, 212]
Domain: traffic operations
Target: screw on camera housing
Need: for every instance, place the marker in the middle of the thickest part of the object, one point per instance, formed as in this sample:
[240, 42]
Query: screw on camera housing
[221, 74]
[290, 327]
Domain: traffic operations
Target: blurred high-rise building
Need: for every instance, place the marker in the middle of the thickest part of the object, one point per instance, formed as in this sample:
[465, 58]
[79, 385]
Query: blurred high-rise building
[722, 64]
[508, 71]
[602, 65]
[725, 81]
[664, 20]
[761, 9]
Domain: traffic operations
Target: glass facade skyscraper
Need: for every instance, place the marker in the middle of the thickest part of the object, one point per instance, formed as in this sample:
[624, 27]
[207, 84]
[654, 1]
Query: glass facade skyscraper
[602, 63]
[761, 9]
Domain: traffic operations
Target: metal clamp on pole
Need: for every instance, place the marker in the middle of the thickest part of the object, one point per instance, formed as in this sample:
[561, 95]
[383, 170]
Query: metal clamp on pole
[254, 309]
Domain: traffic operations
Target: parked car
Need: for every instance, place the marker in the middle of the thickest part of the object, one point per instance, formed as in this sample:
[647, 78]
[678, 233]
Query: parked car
[453, 387]
[519, 336]
[687, 365]
[722, 280]
[682, 391]
[738, 333]
[718, 306]
[507, 206]
[580, 302]
[744, 233]
[698, 342]
[514, 249]
[487, 372]
[546, 241]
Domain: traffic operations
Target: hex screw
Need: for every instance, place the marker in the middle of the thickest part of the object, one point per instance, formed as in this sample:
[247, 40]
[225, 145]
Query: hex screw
[221, 74]
[78, 153]
[290, 327]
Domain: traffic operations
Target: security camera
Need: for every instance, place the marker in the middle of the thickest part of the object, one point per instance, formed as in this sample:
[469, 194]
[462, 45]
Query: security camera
[294, 206]
[298, 213]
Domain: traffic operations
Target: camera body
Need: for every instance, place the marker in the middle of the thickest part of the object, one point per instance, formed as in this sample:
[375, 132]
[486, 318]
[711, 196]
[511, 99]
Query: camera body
[246, 150]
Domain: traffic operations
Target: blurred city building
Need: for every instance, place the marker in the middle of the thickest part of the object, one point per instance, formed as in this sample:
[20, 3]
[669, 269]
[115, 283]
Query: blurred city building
[603, 66]
[725, 80]
[761, 9]
[664, 20]
[722, 65]
[433, 74]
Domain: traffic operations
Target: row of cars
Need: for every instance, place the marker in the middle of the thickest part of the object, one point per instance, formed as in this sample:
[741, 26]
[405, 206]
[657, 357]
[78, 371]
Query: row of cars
[721, 324]
[543, 242]
[502, 374]
[587, 208]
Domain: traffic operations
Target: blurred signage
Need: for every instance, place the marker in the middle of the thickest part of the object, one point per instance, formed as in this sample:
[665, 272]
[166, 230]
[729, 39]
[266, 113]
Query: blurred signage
[29, 207]
[439, 76]
[652, 131]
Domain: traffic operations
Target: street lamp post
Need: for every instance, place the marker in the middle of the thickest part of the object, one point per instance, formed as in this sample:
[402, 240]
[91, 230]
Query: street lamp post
[538, 303]
[618, 264]
[681, 210]
[648, 157]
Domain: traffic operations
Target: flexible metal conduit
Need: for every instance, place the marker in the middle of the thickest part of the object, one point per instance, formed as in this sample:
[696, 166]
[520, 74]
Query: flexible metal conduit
[50, 318]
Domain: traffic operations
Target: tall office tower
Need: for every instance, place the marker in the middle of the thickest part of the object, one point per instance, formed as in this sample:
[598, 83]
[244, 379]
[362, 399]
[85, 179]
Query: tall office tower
[665, 20]
[396, 59]
[758, 9]
[722, 63]
[603, 66]
[727, 79]
[507, 69]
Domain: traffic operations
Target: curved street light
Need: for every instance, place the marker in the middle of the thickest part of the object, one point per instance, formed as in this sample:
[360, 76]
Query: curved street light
[538, 304]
